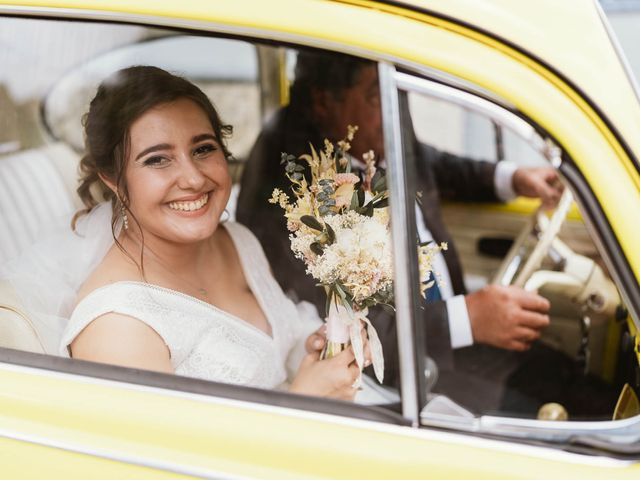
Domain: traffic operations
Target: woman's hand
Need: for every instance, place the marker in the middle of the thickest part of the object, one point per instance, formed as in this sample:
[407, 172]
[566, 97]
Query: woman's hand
[317, 340]
[333, 377]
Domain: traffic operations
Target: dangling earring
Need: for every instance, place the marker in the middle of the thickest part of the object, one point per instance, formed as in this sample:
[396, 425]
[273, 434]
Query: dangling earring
[223, 218]
[125, 218]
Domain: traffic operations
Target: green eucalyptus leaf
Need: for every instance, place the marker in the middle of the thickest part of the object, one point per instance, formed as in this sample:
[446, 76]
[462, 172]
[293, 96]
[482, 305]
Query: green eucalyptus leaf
[367, 210]
[327, 305]
[324, 210]
[354, 201]
[312, 222]
[330, 233]
[316, 248]
[379, 184]
[382, 203]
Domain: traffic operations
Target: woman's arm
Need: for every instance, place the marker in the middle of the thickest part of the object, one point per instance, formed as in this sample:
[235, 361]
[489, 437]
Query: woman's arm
[122, 340]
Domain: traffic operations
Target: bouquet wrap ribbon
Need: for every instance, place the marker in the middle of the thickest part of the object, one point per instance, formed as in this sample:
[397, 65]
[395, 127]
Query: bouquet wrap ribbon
[344, 325]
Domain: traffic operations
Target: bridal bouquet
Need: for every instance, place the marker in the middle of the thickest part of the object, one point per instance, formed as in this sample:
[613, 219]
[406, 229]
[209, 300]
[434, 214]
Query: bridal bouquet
[339, 224]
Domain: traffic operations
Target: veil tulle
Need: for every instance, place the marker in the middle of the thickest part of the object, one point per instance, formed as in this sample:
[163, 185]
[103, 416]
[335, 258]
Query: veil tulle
[47, 276]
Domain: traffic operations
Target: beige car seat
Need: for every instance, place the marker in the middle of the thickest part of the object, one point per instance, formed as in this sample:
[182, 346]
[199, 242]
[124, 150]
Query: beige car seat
[16, 329]
[35, 185]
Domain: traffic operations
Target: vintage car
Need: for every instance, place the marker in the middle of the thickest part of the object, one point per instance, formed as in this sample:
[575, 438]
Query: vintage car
[539, 83]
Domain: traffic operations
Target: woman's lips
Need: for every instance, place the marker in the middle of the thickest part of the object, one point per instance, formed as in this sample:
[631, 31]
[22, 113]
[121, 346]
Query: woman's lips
[190, 205]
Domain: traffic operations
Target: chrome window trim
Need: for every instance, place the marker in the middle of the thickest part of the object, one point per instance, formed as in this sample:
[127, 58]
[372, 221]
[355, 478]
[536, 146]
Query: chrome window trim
[618, 49]
[405, 257]
[490, 444]
[470, 101]
[624, 431]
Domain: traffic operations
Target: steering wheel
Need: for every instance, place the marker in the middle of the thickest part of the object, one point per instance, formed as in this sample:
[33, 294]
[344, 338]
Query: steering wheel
[544, 230]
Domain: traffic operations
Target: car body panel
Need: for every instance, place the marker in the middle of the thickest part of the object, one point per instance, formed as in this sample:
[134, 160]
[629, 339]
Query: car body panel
[90, 418]
[197, 435]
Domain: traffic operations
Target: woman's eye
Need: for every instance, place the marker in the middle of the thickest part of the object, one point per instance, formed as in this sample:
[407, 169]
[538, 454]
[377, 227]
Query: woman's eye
[205, 149]
[156, 161]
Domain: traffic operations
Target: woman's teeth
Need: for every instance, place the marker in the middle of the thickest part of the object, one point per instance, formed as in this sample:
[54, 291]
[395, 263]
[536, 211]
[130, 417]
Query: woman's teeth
[190, 206]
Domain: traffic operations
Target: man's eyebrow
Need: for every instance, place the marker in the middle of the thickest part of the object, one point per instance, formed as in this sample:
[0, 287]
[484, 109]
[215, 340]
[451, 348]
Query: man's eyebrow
[155, 148]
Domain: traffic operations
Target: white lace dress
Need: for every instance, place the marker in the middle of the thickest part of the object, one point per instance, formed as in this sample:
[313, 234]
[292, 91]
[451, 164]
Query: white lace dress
[204, 341]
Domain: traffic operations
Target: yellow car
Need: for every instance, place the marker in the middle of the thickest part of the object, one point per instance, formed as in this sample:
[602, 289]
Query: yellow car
[539, 82]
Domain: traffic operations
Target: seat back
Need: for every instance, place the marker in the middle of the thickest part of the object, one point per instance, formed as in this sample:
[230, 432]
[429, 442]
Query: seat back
[16, 329]
[35, 186]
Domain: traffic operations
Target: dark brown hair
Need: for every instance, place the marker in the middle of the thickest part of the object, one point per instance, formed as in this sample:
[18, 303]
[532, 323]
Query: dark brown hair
[120, 100]
[325, 71]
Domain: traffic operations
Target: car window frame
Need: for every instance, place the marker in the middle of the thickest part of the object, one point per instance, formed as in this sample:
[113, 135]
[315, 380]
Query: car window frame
[584, 433]
[175, 383]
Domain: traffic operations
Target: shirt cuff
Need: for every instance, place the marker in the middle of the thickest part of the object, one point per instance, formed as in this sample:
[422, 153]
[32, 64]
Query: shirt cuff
[503, 180]
[459, 323]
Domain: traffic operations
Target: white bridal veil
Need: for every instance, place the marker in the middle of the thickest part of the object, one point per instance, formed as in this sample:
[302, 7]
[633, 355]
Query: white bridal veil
[47, 276]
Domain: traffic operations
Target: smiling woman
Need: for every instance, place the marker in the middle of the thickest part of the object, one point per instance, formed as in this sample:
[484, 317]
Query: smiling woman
[178, 292]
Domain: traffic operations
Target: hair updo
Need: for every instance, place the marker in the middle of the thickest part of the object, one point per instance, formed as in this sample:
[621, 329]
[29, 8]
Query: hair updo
[120, 100]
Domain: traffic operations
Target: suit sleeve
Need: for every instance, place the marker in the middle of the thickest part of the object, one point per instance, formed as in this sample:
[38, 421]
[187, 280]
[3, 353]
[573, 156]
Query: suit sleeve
[459, 178]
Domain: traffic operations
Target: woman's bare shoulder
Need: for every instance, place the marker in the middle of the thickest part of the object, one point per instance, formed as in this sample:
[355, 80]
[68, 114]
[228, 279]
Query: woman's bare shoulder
[122, 340]
[114, 267]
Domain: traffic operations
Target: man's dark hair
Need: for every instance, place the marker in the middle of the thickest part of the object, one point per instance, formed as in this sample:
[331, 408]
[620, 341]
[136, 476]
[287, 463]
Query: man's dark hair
[332, 72]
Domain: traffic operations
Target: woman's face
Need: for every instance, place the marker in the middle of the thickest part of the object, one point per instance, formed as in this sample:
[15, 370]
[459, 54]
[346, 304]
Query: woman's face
[176, 173]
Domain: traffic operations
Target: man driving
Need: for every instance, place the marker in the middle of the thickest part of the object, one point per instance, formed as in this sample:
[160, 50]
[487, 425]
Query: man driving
[481, 328]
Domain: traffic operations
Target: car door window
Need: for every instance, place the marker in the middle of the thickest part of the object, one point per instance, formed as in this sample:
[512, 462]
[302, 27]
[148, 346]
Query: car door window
[44, 98]
[578, 368]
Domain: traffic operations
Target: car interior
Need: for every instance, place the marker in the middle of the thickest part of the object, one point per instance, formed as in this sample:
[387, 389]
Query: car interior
[43, 99]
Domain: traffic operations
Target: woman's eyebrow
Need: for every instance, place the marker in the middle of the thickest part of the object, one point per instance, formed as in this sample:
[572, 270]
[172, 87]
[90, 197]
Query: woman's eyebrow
[155, 148]
[204, 136]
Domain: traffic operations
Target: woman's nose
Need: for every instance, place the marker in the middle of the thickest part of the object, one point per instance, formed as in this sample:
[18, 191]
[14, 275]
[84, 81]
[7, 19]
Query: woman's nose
[190, 176]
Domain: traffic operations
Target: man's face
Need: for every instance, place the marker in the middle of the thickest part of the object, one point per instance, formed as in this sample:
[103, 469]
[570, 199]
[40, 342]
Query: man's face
[357, 105]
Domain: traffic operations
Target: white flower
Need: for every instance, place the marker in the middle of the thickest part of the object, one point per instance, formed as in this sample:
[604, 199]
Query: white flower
[360, 258]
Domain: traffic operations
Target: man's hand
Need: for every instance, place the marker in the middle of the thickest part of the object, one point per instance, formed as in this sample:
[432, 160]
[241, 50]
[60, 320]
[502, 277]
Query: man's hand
[538, 182]
[507, 317]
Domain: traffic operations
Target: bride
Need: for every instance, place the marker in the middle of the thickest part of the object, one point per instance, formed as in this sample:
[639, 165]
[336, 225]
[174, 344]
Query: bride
[179, 290]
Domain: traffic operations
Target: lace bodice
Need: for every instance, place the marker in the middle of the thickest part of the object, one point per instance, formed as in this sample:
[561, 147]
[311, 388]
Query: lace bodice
[204, 341]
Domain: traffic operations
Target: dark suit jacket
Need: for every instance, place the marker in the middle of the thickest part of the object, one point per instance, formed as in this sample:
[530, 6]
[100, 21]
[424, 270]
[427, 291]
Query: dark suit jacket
[440, 175]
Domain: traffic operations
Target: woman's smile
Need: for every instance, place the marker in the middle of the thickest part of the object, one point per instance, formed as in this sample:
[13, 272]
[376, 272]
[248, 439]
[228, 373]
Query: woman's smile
[189, 205]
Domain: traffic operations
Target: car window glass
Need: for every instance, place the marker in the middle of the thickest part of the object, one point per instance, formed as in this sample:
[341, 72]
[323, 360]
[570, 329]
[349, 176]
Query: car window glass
[462, 131]
[578, 367]
[54, 68]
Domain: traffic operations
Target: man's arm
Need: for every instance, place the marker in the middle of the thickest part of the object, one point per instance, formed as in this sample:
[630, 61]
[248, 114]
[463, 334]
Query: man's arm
[456, 177]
